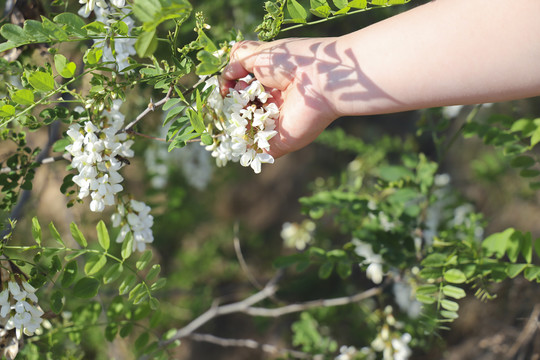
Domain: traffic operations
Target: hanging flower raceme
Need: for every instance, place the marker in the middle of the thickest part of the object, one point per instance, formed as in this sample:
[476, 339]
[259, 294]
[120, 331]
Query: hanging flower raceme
[245, 122]
[98, 152]
[19, 308]
[135, 220]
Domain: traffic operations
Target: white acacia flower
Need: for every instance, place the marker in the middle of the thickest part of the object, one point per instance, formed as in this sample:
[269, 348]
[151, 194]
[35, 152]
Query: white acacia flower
[298, 235]
[346, 353]
[96, 157]
[19, 309]
[249, 124]
[374, 261]
[135, 218]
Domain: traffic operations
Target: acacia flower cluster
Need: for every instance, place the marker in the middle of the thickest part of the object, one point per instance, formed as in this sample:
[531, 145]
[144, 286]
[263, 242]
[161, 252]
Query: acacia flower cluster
[98, 153]
[90, 5]
[392, 344]
[373, 261]
[19, 308]
[298, 235]
[134, 218]
[245, 120]
[116, 49]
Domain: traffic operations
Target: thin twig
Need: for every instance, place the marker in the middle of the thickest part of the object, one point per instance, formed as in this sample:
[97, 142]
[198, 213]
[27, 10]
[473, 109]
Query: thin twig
[280, 311]
[528, 333]
[242, 261]
[151, 106]
[246, 307]
[38, 161]
[252, 344]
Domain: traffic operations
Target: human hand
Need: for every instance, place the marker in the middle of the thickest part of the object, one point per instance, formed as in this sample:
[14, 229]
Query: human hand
[288, 69]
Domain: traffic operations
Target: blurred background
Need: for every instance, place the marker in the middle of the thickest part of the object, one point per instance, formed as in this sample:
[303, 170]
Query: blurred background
[199, 210]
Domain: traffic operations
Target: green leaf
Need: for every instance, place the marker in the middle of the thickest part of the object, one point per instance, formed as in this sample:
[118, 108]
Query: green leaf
[77, 235]
[453, 292]
[535, 137]
[113, 273]
[207, 139]
[57, 301]
[313, 4]
[522, 161]
[344, 269]
[141, 341]
[321, 11]
[96, 27]
[95, 263]
[34, 30]
[449, 305]
[532, 273]
[36, 230]
[15, 34]
[196, 119]
[55, 234]
[358, 4]
[326, 269]
[170, 103]
[513, 245]
[127, 246]
[427, 289]
[70, 273]
[41, 81]
[154, 271]
[144, 260]
[434, 260]
[455, 276]
[430, 273]
[452, 315]
[103, 235]
[496, 244]
[7, 110]
[86, 288]
[526, 247]
[146, 44]
[126, 329]
[529, 173]
[340, 4]
[209, 64]
[63, 67]
[110, 331]
[92, 56]
[8, 45]
[145, 10]
[425, 299]
[54, 31]
[73, 23]
[158, 284]
[392, 173]
[127, 284]
[134, 292]
[296, 11]
[23, 97]
[514, 270]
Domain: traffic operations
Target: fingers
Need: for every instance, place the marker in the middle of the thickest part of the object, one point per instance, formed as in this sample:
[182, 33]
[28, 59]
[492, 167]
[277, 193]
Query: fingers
[243, 55]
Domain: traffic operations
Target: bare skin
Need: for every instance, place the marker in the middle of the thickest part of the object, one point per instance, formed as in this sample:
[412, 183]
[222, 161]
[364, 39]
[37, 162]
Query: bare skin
[446, 52]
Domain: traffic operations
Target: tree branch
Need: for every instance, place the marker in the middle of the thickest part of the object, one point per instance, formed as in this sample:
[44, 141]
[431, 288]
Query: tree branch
[280, 311]
[151, 106]
[39, 161]
[252, 344]
[246, 307]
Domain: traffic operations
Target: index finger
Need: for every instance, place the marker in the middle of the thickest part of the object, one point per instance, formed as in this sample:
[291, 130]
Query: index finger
[242, 60]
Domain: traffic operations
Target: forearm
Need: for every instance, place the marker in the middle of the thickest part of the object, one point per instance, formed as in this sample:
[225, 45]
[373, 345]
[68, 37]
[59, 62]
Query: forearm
[443, 53]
